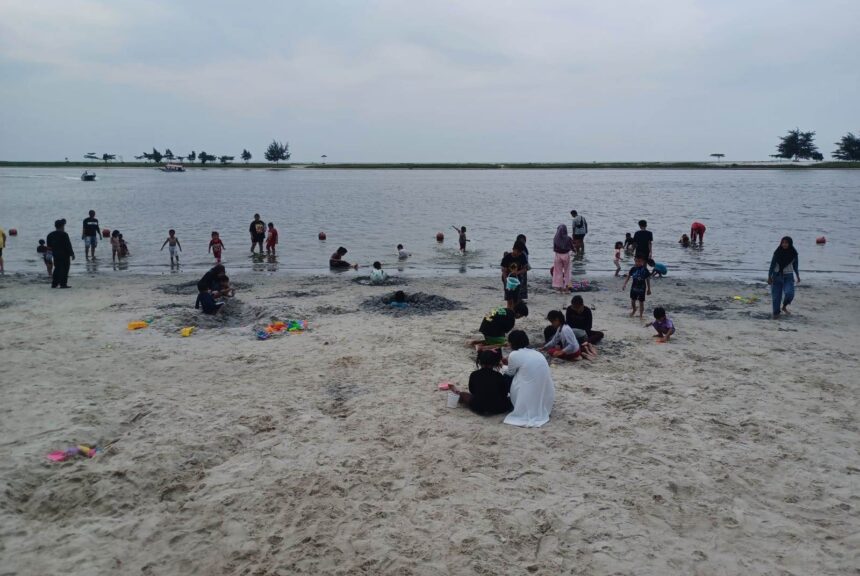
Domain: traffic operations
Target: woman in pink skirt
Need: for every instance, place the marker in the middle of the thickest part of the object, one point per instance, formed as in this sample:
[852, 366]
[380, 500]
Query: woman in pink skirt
[562, 244]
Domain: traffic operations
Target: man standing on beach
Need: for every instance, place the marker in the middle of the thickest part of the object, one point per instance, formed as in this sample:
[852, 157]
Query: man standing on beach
[579, 228]
[90, 235]
[258, 233]
[60, 246]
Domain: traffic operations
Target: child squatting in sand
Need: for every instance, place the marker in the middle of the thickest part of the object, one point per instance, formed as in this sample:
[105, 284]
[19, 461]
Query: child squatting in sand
[662, 324]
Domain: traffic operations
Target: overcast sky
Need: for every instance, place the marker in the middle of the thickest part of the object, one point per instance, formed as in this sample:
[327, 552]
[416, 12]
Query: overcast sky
[419, 81]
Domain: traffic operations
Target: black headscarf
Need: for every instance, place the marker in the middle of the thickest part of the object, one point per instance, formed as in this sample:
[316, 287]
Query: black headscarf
[785, 256]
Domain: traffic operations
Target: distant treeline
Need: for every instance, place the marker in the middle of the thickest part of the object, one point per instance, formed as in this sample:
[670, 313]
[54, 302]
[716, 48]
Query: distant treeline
[465, 166]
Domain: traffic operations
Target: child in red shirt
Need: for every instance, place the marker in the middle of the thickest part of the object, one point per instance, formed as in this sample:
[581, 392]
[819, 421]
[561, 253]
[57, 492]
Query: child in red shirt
[216, 246]
[271, 240]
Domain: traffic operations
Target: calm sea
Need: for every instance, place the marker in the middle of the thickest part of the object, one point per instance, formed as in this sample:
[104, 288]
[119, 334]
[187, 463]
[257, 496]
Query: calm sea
[371, 211]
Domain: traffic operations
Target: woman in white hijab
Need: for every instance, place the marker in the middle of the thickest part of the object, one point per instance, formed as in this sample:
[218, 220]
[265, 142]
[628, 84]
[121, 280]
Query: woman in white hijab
[532, 390]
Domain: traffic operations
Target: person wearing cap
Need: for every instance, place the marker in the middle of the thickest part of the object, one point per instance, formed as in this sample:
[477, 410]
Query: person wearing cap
[60, 246]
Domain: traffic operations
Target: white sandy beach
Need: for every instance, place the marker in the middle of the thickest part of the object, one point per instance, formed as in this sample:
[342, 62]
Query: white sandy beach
[731, 450]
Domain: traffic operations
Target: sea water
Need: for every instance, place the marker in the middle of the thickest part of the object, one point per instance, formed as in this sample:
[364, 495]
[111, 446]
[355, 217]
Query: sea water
[371, 211]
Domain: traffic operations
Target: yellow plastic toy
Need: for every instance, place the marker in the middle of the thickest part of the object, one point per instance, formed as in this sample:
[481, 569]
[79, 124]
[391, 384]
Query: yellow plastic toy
[137, 325]
[187, 331]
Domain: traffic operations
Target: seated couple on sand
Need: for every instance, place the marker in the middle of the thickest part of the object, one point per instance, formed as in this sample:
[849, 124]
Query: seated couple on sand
[496, 325]
[574, 324]
[212, 290]
[526, 390]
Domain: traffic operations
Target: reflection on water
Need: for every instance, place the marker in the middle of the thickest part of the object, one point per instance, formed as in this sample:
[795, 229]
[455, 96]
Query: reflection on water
[371, 211]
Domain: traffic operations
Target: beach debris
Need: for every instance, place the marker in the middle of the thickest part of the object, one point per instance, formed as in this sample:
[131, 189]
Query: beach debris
[581, 286]
[138, 324]
[444, 385]
[85, 450]
[187, 331]
[746, 299]
[279, 327]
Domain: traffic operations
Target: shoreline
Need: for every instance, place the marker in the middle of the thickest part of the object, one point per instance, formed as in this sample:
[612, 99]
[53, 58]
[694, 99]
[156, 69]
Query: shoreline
[742, 165]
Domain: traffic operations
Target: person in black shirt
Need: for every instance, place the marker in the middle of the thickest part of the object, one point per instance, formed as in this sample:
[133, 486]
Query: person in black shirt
[497, 324]
[514, 264]
[258, 232]
[211, 281]
[644, 240]
[336, 261]
[90, 234]
[60, 246]
[488, 388]
[578, 316]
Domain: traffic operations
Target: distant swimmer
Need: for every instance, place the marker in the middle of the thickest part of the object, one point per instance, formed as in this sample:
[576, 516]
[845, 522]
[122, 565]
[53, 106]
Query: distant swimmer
[697, 229]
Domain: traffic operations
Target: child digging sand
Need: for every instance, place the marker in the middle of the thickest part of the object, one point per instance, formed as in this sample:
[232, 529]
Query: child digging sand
[564, 344]
[488, 388]
[640, 287]
[662, 324]
[497, 324]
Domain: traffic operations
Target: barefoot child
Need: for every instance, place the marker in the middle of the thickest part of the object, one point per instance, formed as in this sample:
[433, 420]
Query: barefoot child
[514, 265]
[640, 287]
[684, 241]
[658, 269]
[47, 257]
[271, 240]
[172, 244]
[461, 231]
[216, 246]
[402, 254]
[617, 259]
[662, 324]
[114, 245]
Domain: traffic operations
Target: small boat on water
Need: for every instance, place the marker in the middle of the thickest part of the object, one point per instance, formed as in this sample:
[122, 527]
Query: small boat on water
[172, 167]
[87, 176]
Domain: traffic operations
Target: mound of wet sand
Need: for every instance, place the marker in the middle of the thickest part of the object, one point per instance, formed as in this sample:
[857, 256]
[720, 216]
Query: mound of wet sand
[390, 281]
[417, 303]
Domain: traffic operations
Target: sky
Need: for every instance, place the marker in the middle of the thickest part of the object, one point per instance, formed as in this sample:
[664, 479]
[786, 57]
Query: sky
[408, 81]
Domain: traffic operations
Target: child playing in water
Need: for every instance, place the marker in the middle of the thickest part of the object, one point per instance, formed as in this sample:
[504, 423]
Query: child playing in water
[123, 247]
[378, 275]
[640, 287]
[462, 233]
[271, 240]
[47, 256]
[402, 254]
[488, 388]
[629, 244]
[114, 245]
[172, 243]
[564, 344]
[216, 246]
[662, 324]
[659, 269]
[684, 241]
[496, 325]
[617, 258]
